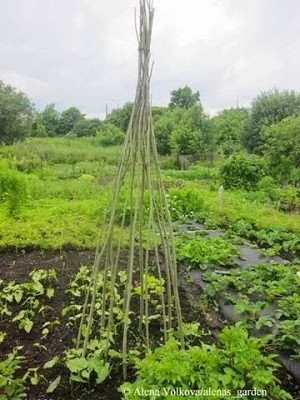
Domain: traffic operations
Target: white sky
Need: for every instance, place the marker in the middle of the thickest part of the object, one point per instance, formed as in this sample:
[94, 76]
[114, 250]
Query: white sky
[83, 53]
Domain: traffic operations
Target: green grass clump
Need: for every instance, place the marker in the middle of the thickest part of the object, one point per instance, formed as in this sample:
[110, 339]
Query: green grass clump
[12, 189]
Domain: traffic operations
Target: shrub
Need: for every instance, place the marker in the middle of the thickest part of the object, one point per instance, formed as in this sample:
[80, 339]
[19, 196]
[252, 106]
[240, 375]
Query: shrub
[230, 368]
[185, 204]
[242, 172]
[169, 162]
[110, 135]
[12, 189]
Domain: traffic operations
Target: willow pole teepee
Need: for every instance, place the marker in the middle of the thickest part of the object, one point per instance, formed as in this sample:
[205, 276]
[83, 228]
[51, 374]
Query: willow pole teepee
[138, 172]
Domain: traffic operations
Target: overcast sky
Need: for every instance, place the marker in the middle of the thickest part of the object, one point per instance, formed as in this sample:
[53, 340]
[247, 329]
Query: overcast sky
[83, 53]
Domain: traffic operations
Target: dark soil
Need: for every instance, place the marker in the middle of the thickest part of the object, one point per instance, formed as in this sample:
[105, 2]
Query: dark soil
[16, 266]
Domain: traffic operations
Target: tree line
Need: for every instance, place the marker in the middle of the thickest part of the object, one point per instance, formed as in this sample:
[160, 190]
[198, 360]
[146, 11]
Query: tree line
[270, 127]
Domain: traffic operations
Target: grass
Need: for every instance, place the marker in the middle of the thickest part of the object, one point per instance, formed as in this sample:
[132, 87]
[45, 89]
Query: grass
[69, 185]
[236, 206]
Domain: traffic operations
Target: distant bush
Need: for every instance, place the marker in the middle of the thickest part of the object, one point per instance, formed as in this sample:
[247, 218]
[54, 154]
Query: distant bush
[185, 204]
[242, 172]
[110, 135]
[169, 162]
[12, 189]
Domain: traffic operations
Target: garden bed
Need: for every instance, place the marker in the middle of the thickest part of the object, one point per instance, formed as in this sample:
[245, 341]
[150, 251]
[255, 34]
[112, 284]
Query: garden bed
[36, 350]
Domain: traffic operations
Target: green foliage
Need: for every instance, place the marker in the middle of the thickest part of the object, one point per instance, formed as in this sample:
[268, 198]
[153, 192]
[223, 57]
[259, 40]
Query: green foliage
[191, 135]
[228, 127]
[16, 113]
[183, 131]
[203, 252]
[288, 336]
[46, 122]
[81, 368]
[185, 141]
[184, 98]
[68, 120]
[26, 295]
[120, 117]
[236, 363]
[268, 108]
[194, 173]
[185, 204]
[86, 127]
[282, 147]
[11, 386]
[110, 135]
[34, 153]
[253, 289]
[12, 190]
[242, 172]
[169, 163]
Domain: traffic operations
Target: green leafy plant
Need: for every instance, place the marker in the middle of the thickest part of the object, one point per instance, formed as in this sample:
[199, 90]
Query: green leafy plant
[202, 252]
[185, 204]
[236, 363]
[242, 172]
[82, 368]
[11, 386]
[287, 337]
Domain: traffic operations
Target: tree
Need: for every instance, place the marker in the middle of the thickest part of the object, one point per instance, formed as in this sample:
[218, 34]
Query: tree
[268, 108]
[163, 128]
[86, 127]
[228, 127]
[16, 112]
[184, 98]
[120, 116]
[68, 120]
[183, 131]
[191, 135]
[47, 122]
[282, 148]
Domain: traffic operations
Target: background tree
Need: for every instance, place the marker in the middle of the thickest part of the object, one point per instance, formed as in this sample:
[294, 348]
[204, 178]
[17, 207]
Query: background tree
[268, 108]
[163, 128]
[242, 171]
[46, 122]
[184, 98]
[68, 120]
[16, 113]
[191, 135]
[228, 127]
[282, 148]
[86, 127]
[120, 116]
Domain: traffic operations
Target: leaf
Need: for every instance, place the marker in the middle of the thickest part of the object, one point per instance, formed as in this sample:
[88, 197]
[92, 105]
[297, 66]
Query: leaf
[50, 292]
[34, 380]
[51, 363]
[77, 364]
[53, 385]
[102, 372]
[18, 296]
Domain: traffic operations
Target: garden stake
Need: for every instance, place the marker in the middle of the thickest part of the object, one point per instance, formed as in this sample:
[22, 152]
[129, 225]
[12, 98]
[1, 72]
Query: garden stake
[139, 174]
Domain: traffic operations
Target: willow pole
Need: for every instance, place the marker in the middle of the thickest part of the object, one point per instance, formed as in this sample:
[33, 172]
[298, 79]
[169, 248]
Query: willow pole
[139, 174]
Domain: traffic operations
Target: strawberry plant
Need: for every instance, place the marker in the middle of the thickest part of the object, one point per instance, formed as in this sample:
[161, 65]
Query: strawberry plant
[202, 252]
[287, 337]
